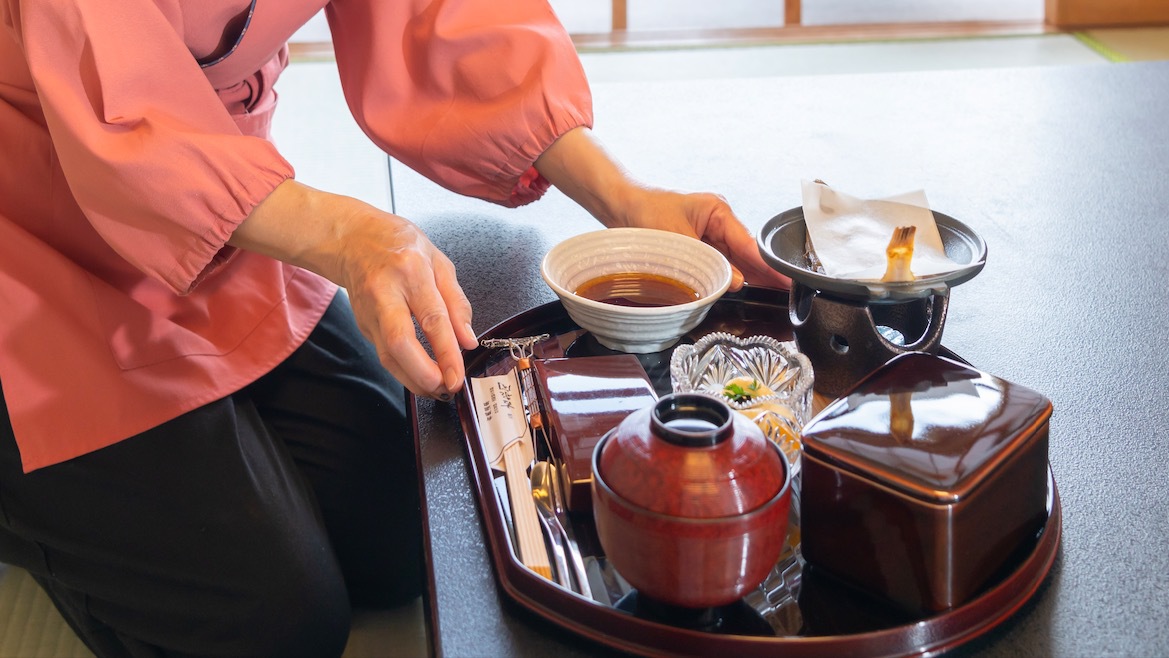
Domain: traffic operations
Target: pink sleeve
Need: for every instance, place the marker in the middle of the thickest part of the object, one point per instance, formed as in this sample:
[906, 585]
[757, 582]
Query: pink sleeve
[150, 153]
[466, 92]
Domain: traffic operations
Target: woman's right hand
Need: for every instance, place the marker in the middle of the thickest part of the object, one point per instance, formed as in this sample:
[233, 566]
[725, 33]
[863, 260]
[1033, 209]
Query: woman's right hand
[393, 273]
[578, 165]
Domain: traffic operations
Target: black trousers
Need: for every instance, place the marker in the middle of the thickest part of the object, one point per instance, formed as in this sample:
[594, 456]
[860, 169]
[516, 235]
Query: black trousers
[248, 527]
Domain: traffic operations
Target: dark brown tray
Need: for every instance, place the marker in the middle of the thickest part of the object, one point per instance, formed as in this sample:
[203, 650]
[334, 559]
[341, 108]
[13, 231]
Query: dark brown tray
[836, 621]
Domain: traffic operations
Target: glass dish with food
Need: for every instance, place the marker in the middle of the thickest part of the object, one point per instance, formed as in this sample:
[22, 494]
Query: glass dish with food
[767, 380]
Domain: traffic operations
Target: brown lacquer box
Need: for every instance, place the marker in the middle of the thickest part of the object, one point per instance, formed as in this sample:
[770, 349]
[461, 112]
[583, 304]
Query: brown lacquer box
[921, 482]
[584, 398]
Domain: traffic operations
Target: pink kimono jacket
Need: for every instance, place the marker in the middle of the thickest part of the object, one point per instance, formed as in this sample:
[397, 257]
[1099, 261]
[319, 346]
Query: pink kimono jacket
[133, 140]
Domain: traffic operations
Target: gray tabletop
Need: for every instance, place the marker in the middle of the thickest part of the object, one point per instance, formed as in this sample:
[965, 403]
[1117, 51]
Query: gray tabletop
[1063, 171]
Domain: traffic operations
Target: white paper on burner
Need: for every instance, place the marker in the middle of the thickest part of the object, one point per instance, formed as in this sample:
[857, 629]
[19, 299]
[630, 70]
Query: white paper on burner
[850, 235]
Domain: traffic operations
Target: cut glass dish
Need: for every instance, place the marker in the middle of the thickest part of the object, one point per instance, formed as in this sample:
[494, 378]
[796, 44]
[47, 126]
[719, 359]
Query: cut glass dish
[780, 373]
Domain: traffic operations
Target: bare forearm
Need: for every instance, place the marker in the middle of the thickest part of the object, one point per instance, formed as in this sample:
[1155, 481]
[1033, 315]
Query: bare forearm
[299, 225]
[580, 167]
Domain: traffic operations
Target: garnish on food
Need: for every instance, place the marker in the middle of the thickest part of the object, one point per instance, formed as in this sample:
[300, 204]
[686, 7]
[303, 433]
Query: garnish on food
[745, 389]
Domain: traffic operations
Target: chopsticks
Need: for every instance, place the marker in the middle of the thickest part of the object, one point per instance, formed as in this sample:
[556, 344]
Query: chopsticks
[533, 552]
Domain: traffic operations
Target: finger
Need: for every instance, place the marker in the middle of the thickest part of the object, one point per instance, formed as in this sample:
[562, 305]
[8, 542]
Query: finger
[412, 366]
[458, 306]
[737, 279]
[755, 269]
[468, 339]
[391, 330]
[430, 312]
[743, 251]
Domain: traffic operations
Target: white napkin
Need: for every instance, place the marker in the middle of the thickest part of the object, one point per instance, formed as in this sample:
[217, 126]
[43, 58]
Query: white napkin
[850, 235]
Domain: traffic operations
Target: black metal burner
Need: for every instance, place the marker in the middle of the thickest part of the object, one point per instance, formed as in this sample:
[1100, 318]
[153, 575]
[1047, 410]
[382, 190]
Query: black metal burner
[847, 339]
[737, 618]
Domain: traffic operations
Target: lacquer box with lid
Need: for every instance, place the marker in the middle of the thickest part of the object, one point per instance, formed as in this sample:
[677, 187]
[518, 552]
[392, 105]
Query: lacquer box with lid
[921, 481]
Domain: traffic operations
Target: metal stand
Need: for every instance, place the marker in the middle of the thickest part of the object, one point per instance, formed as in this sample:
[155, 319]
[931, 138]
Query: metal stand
[846, 339]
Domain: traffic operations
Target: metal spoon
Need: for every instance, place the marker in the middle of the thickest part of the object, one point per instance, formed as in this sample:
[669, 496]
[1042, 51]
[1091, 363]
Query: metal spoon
[546, 492]
[545, 508]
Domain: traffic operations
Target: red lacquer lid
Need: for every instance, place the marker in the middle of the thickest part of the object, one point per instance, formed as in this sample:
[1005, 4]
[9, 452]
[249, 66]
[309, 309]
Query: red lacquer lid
[691, 456]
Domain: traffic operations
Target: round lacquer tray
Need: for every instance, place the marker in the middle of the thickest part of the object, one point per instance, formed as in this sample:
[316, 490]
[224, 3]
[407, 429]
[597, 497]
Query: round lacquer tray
[795, 611]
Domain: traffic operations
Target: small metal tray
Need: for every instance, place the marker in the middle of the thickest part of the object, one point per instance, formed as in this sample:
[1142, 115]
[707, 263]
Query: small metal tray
[783, 244]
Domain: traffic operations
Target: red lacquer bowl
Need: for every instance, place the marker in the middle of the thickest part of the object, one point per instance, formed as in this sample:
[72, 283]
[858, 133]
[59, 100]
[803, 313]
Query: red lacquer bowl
[690, 501]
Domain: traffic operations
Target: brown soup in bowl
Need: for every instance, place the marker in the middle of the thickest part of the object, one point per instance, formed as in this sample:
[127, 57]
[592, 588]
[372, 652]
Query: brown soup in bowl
[637, 289]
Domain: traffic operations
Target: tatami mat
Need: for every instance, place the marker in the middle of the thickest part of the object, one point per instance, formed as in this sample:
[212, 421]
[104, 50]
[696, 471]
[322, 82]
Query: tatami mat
[397, 633]
[30, 627]
[1132, 44]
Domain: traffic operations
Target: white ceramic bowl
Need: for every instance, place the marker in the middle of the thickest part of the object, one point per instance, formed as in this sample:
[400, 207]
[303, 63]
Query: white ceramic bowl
[585, 257]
